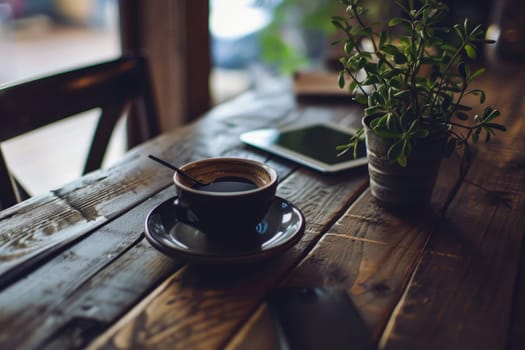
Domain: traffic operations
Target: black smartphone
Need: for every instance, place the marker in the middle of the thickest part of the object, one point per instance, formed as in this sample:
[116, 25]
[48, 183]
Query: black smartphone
[317, 318]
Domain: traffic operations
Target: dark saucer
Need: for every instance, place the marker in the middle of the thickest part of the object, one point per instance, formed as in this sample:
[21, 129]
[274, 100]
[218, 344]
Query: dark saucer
[281, 228]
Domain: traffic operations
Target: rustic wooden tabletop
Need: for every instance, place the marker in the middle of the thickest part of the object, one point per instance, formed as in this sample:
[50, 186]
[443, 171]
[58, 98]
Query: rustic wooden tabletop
[77, 272]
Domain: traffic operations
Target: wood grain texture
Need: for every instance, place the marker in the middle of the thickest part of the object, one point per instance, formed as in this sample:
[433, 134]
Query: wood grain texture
[463, 293]
[94, 248]
[202, 307]
[56, 289]
[372, 252]
[516, 339]
[32, 231]
[444, 276]
[464, 286]
[368, 251]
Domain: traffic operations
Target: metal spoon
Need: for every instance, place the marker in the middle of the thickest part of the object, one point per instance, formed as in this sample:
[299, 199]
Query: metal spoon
[171, 166]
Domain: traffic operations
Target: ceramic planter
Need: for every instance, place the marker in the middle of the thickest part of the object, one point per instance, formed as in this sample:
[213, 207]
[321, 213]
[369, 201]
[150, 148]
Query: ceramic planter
[393, 184]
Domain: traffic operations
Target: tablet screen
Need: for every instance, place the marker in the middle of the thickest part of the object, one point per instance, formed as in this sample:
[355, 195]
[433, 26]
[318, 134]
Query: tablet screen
[313, 145]
[318, 142]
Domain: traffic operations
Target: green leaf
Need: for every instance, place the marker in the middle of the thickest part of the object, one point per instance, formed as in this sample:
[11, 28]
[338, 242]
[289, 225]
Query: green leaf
[494, 113]
[371, 67]
[465, 25]
[391, 122]
[383, 131]
[338, 24]
[341, 79]
[382, 39]
[397, 83]
[482, 97]
[477, 73]
[477, 31]
[353, 86]
[375, 122]
[477, 92]
[487, 137]
[475, 135]
[371, 101]
[457, 28]
[348, 47]
[361, 99]
[400, 58]
[462, 70]
[395, 151]
[373, 79]
[402, 160]
[378, 97]
[448, 48]
[391, 49]
[407, 147]
[373, 110]
[470, 51]
[402, 93]
[338, 18]
[391, 73]
[430, 60]
[496, 126]
[395, 21]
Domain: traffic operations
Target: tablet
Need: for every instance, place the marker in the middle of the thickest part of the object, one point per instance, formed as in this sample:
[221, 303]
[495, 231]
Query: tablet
[313, 145]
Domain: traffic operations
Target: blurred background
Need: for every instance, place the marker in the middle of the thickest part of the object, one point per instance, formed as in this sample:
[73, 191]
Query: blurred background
[251, 43]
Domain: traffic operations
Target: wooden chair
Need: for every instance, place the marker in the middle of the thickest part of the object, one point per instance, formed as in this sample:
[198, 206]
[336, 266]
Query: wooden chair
[111, 86]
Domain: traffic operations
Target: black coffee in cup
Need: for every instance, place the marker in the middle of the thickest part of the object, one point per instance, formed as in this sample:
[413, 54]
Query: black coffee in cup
[227, 184]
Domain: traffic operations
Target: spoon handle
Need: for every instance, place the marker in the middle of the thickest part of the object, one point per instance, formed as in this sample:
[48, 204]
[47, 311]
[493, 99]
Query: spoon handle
[171, 166]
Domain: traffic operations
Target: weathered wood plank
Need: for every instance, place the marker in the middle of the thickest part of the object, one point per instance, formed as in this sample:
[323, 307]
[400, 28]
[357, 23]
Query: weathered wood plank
[370, 255]
[106, 193]
[369, 251]
[516, 339]
[69, 213]
[40, 304]
[373, 253]
[462, 293]
[202, 307]
[111, 299]
[66, 315]
[463, 289]
[82, 206]
[356, 245]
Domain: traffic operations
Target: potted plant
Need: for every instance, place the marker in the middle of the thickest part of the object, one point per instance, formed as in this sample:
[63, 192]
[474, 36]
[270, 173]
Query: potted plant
[414, 84]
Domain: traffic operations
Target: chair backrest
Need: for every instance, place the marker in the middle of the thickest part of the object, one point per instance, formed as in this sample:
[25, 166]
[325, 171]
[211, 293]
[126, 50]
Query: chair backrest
[110, 86]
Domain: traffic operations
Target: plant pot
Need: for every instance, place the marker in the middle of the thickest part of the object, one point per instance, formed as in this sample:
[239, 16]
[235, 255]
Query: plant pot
[393, 184]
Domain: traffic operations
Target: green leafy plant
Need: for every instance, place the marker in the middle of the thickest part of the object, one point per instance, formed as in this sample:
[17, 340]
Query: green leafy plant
[414, 80]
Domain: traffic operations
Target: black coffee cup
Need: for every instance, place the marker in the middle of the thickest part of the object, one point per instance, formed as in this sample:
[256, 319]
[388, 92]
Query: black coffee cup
[237, 196]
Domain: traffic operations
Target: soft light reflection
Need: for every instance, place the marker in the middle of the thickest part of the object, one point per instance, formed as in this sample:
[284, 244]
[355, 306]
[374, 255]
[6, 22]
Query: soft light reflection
[270, 243]
[248, 18]
[287, 218]
[493, 32]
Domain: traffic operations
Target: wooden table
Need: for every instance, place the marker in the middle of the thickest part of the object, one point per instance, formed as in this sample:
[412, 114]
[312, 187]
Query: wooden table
[76, 270]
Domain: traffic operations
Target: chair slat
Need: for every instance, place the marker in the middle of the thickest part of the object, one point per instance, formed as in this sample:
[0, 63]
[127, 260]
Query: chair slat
[110, 86]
